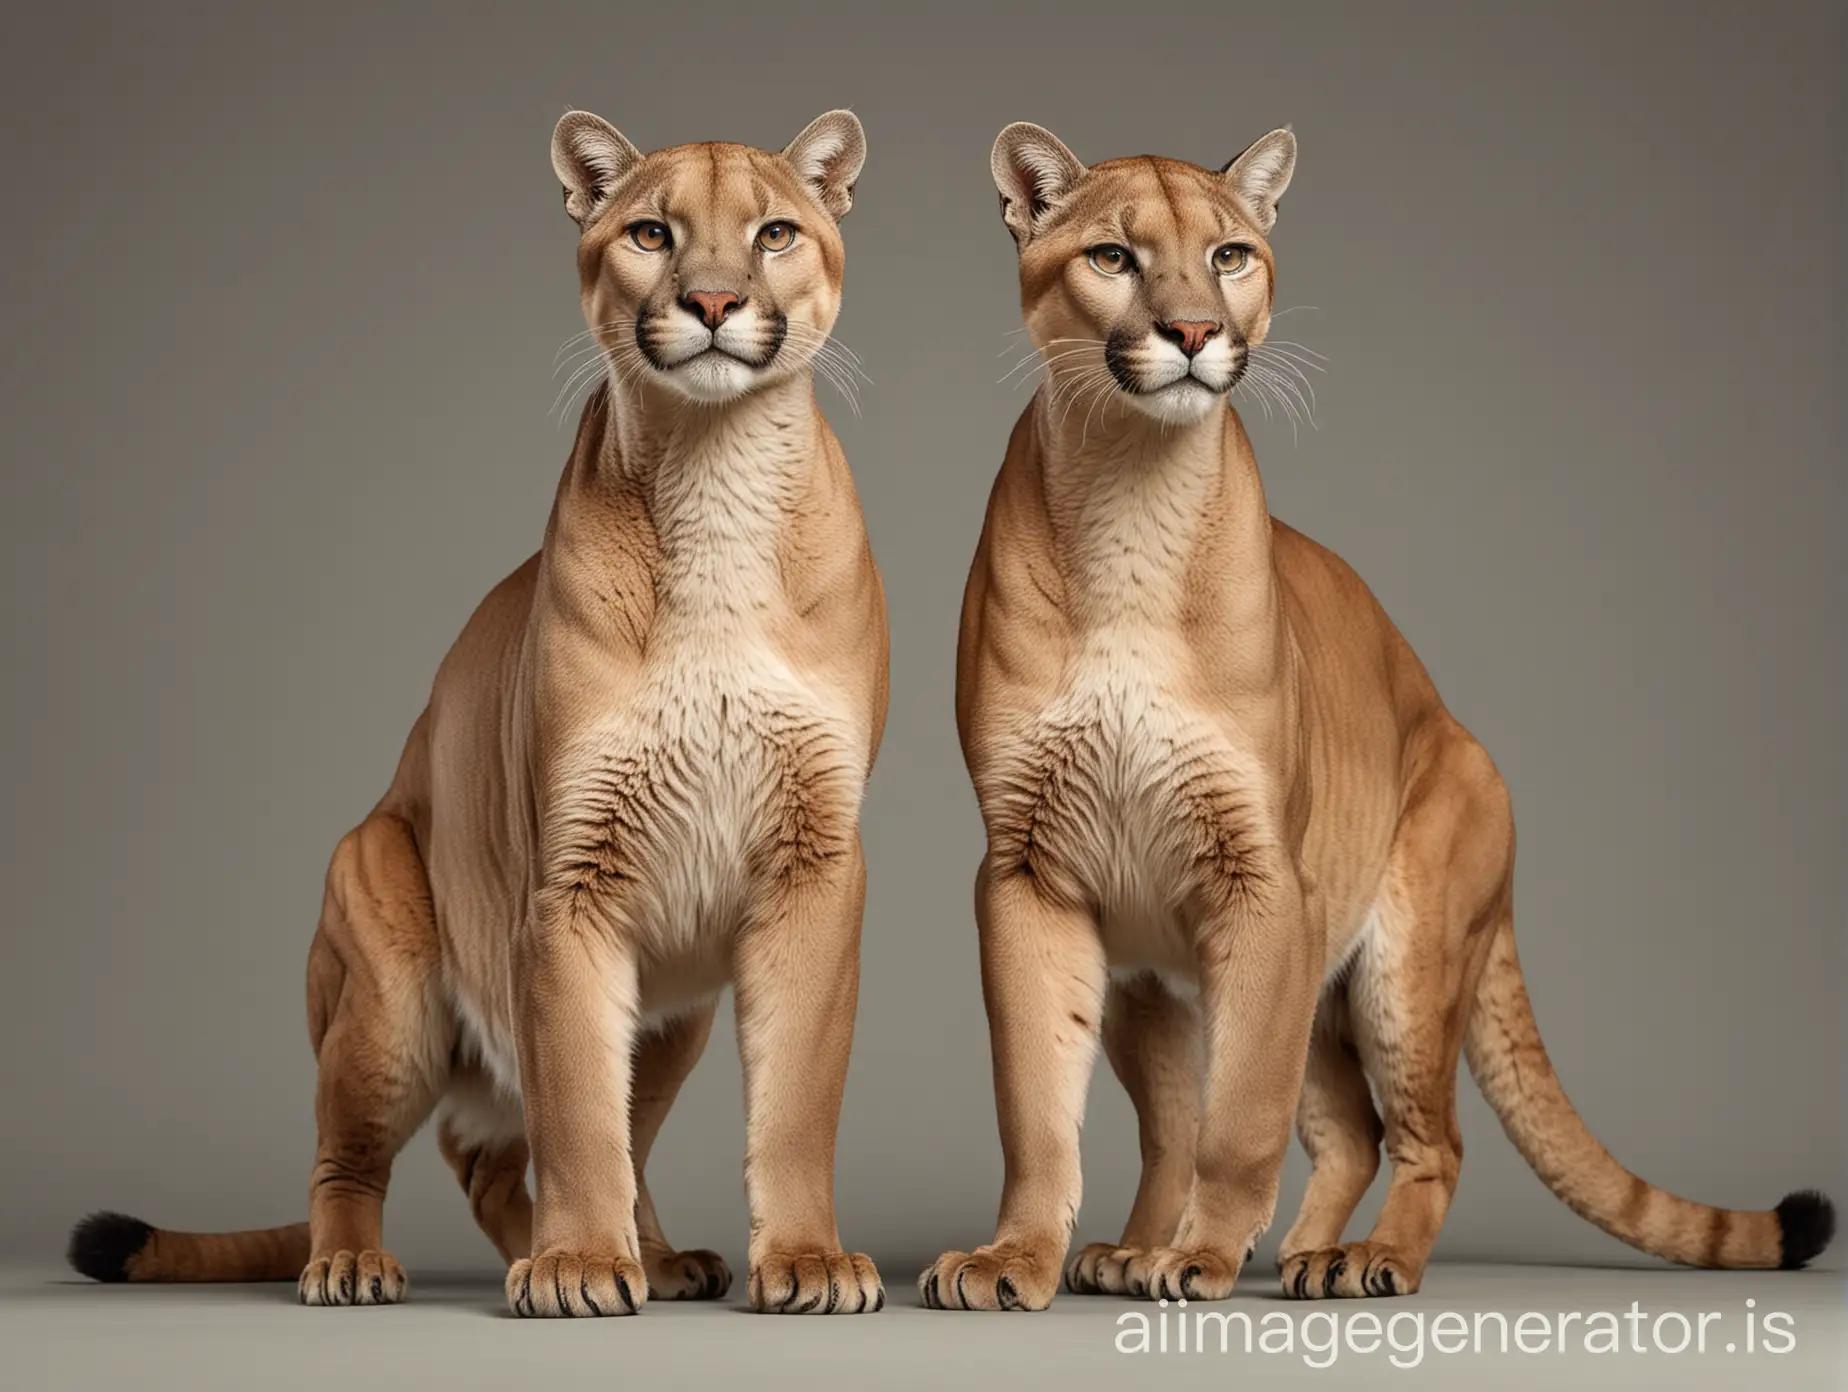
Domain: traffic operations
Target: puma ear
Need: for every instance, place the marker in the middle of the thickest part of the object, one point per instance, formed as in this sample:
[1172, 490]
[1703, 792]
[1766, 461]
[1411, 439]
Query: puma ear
[590, 157]
[1034, 171]
[1259, 176]
[827, 157]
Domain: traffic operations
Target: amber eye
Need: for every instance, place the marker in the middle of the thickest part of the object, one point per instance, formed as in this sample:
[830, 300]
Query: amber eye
[1231, 258]
[777, 236]
[650, 236]
[1111, 259]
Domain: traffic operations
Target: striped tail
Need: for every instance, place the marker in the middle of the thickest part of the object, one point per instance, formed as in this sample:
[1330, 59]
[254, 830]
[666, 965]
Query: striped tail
[113, 1247]
[1511, 1067]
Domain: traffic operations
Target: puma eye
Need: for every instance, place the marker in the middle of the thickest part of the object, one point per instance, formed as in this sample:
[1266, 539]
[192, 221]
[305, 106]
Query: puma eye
[777, 236]
[650, 236]
[1231, 258]
[1111, 259]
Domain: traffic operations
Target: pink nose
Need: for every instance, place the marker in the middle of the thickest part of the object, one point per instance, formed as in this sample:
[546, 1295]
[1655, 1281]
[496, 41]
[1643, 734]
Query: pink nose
[711, 305]
[1190, 334]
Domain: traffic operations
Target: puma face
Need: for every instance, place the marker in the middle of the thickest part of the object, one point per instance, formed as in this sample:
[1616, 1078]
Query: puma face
[1150, 275]
[709, 270]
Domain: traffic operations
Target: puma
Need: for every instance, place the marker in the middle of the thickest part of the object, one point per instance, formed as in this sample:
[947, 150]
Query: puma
[1231, 828]
[638, 780]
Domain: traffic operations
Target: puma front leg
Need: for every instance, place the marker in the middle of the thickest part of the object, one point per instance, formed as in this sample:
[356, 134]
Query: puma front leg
[796, 979]
[1043, 977]
[576, 999]
[1260, 965]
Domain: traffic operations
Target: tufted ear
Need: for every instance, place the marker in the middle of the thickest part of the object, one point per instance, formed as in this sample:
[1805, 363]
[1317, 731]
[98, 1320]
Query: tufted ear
[827, 157]
[1034, 171]
[1259, 176]
[590, 157]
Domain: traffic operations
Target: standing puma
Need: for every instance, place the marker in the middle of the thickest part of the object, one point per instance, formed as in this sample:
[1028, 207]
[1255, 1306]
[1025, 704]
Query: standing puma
[638, 778]
[1228, 817]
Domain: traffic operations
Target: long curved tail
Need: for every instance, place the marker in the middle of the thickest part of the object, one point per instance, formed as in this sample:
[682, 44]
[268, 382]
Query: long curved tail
[114, 1247]
[1511, 1067]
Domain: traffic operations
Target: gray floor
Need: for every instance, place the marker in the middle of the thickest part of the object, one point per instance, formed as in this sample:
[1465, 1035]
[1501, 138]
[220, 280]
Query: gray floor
[59, 1332]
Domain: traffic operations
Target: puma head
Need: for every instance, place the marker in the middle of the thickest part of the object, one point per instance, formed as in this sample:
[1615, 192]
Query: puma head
[709, 269]
[1155, 271]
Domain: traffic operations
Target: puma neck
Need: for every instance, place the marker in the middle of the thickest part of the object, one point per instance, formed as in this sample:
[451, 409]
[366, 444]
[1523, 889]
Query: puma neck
[1140, 509]
[684, 508]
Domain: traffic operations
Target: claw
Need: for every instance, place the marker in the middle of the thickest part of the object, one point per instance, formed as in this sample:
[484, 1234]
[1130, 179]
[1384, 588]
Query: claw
[1331, 1276]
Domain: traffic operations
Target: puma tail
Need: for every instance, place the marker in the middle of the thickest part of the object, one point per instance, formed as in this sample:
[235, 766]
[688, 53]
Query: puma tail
[1511, 1067]
[114, 1247]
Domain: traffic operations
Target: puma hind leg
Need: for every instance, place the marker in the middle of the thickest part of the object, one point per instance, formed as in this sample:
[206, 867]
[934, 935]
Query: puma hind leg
[382, 1042]
[482, 1135]
[1153, 1041]
[664, 1058]
[1447, 888]
[1341, 1132]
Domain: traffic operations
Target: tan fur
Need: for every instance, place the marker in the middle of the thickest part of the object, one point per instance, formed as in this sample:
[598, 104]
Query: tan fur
[1227, 813]
[638, 780]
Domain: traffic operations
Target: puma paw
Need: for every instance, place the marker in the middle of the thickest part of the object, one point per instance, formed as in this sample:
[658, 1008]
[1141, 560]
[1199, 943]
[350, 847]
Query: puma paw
[1175, 1273]
[1355, 1270]
[1102, 1268]
[1000, 1276]
[567, 1284]
[352, 1278]
[691, 1275]
[816, 1283]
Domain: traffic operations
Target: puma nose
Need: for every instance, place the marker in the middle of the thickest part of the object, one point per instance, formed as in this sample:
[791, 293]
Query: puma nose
[1190, 334]
[710, 305]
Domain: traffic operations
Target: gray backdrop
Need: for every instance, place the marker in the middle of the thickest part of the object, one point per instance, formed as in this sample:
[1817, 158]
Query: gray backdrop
[282, 295]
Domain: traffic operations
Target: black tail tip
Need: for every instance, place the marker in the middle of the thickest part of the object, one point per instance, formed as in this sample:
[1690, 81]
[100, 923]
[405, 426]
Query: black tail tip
[1805, 1224]
[103, 1244]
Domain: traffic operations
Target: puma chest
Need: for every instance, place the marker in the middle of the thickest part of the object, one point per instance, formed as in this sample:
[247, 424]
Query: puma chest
[1125, 792]
[725, 774]
[726, 768]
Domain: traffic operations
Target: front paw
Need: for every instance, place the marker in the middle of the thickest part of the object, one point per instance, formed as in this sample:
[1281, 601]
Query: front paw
[567, 1284]
[1350, 1272]
[1000, 1276]
[1102, 1268]
[816, 1283]
[1175, 1273]
[693, 1275]
[352, 1278]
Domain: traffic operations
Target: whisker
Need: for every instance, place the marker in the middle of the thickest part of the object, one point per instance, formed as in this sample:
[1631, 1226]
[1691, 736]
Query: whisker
[1307, 403]
[585, 376]
[1036, 360]
[577, 360]
[1291, 374]
[1285, 388]
[593, 331]
[1268, 393]
[1066, 381]
[1283, 393]
[1298, 353]
[821, 344]
[1101, 397]
[1292, 354]
[1255, 394]
[1083, 387]
[1011, 333]
[1065, 390]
